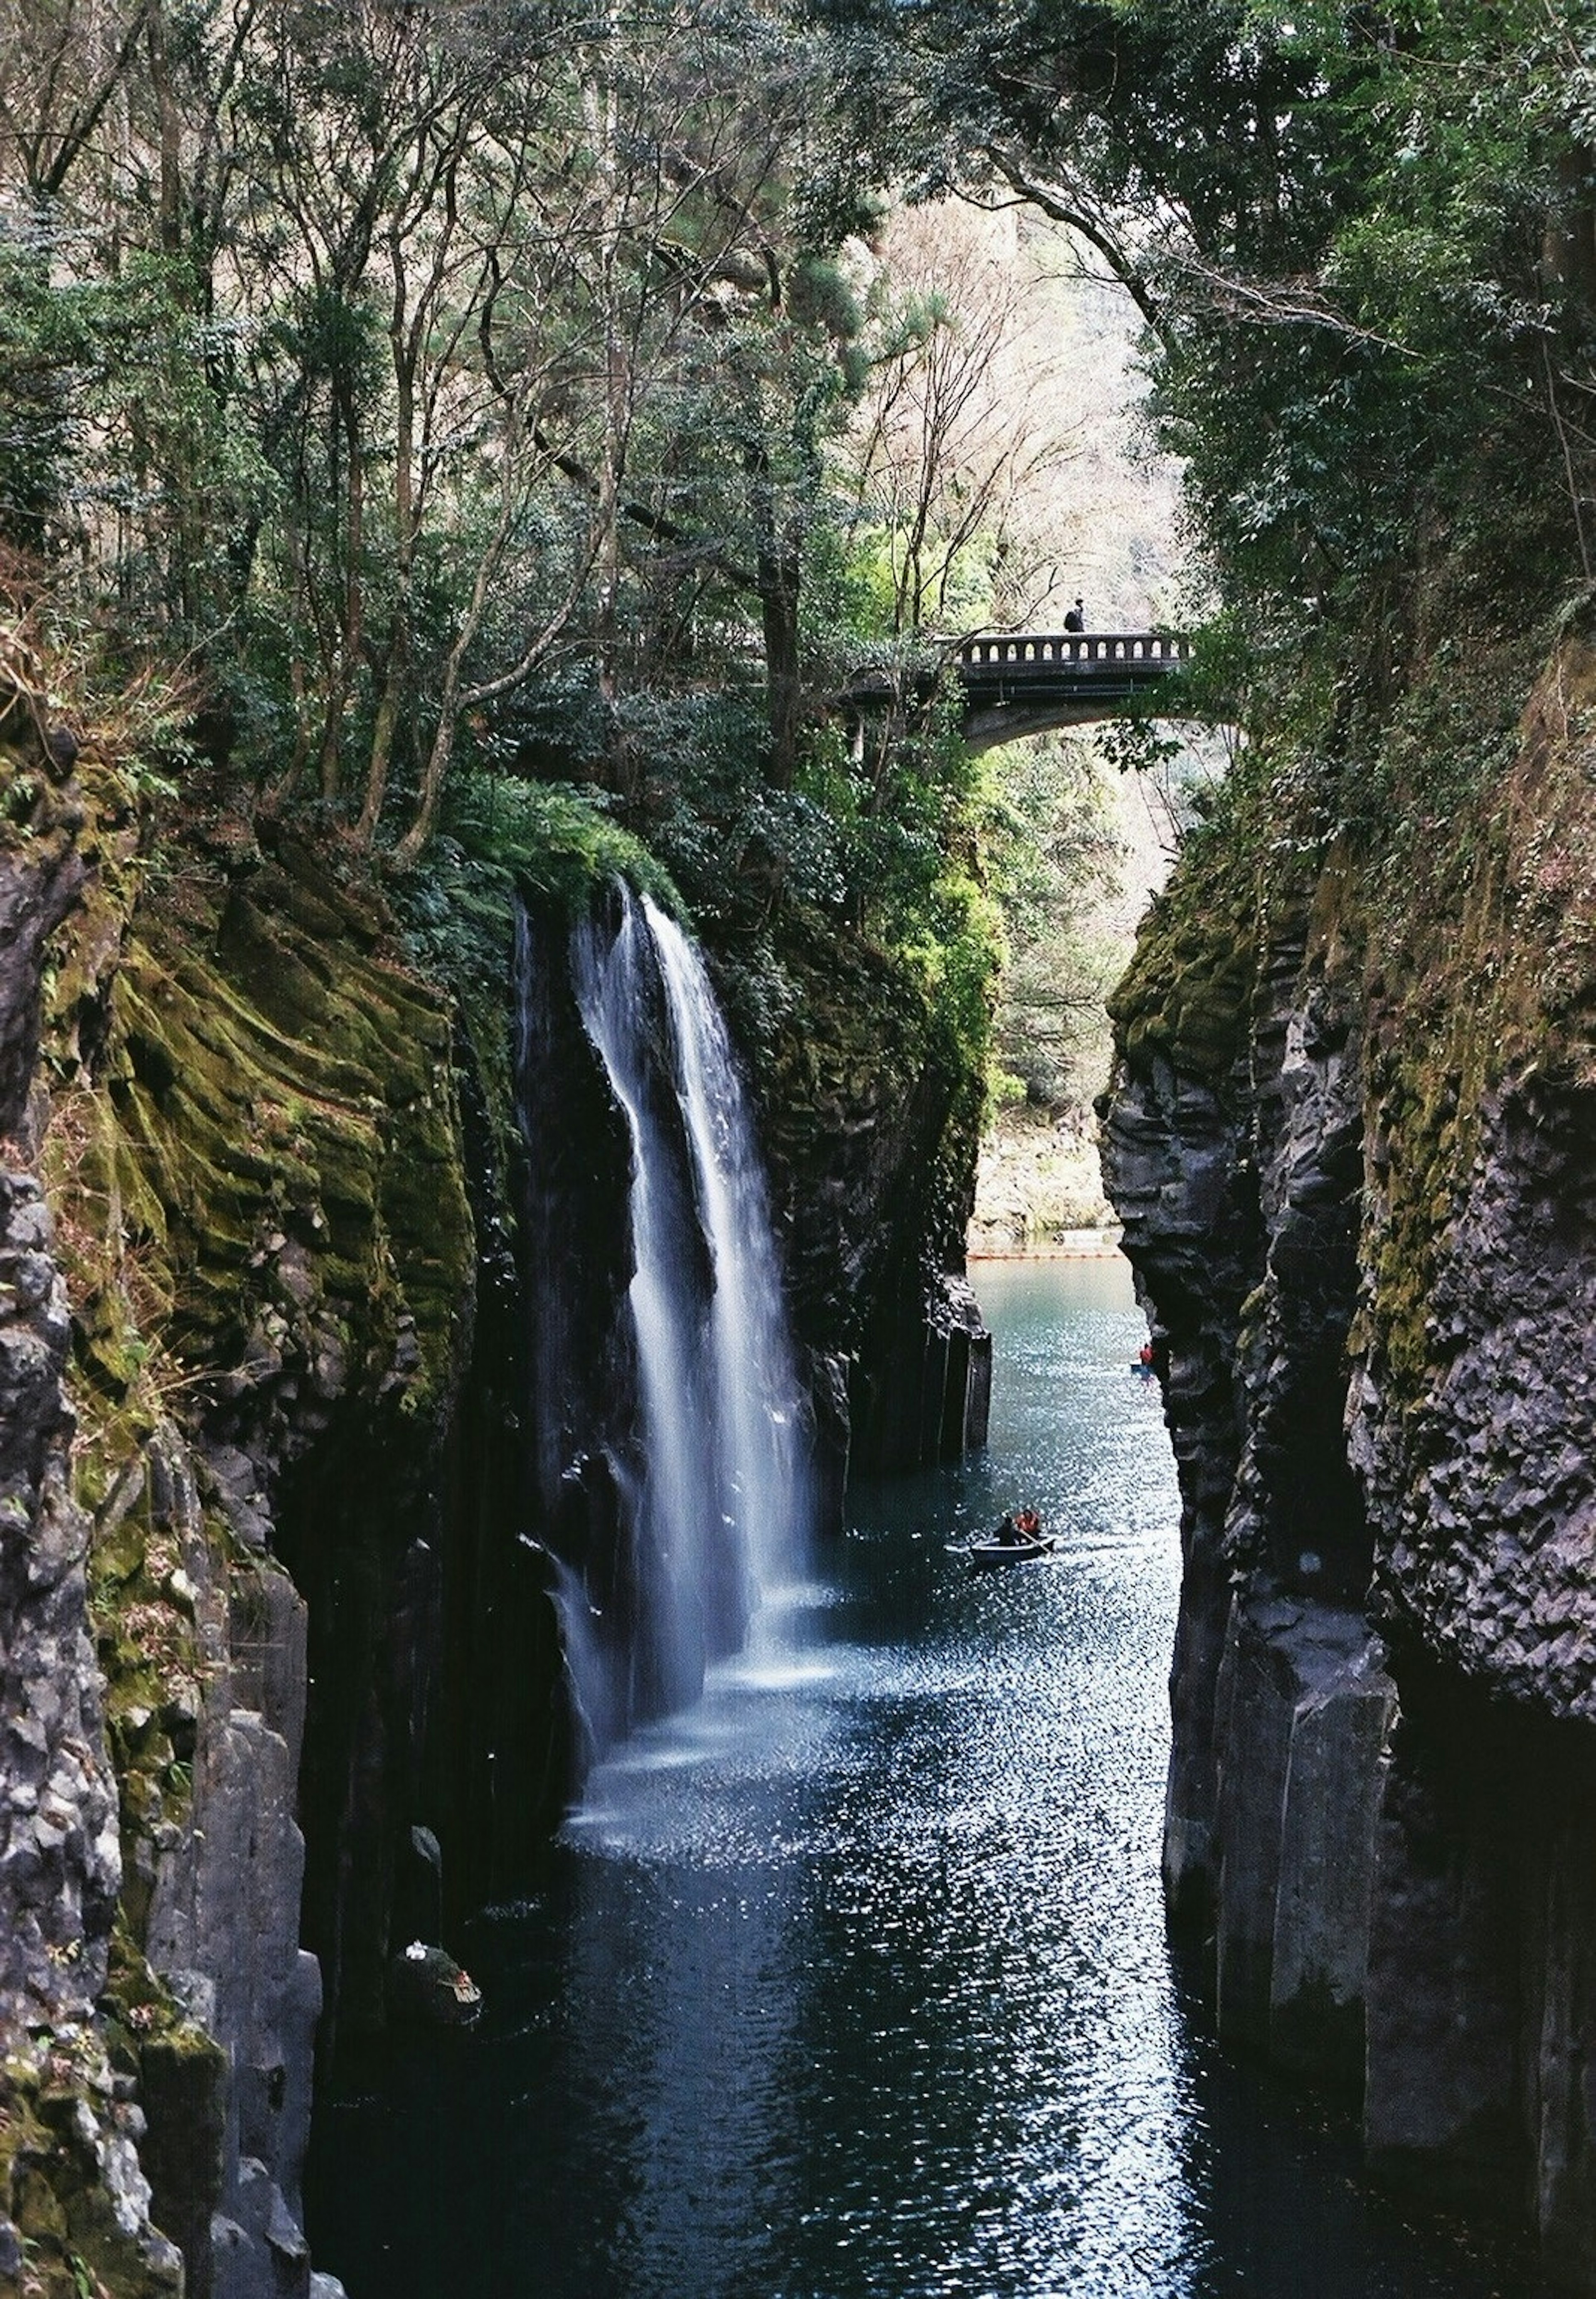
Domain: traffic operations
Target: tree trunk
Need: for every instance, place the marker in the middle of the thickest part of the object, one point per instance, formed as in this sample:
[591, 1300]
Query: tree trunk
[779, 573]
[409, 849]
[382, 745]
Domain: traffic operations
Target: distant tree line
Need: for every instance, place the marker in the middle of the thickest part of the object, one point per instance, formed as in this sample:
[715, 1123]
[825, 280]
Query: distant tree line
[1363, 241]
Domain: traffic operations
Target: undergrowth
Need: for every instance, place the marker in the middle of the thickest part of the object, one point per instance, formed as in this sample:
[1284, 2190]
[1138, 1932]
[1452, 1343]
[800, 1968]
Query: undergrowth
[504, 840]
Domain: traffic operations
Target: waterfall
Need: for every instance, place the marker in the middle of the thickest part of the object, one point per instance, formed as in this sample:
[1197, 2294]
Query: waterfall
[714, 1487]
[765, 1487]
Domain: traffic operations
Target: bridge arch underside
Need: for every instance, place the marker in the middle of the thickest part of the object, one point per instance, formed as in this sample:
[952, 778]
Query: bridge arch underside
[988, 724]
[1021, 683]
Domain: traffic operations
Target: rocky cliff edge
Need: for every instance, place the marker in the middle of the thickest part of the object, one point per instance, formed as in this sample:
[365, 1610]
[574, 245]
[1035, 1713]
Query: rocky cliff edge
[230, 1144]
[1350, 1137]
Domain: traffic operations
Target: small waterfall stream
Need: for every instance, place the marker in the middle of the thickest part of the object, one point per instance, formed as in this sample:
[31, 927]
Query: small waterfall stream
[715, 1492]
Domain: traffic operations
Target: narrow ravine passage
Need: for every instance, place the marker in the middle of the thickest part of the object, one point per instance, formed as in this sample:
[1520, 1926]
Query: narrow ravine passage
[853, 1980]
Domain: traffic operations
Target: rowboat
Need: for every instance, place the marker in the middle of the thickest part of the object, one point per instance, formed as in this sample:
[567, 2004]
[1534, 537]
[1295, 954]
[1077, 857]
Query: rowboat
[990, 1550]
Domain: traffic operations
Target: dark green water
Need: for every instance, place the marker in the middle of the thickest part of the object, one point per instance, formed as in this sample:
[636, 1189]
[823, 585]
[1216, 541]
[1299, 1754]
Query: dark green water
[854, 1982]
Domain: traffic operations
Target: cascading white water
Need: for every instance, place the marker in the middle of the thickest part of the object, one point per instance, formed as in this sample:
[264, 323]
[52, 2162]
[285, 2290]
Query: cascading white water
[720, 1510]
[766, 1494]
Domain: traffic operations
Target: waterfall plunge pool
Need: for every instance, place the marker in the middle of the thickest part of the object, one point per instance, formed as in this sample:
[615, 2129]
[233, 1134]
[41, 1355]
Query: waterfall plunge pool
[853, 1981]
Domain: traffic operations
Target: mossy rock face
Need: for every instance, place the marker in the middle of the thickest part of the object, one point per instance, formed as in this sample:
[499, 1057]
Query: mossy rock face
[43, 873]
[270, 1174]
[64, 2142]
[872, 1097]
[1189, 994]
[254, 1155]
[243, 1102]
[870, 1117]
[1484, 976]
[1461, 925]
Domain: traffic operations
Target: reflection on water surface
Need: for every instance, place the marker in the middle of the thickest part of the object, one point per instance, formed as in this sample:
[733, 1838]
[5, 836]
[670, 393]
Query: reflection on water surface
[854, 1981]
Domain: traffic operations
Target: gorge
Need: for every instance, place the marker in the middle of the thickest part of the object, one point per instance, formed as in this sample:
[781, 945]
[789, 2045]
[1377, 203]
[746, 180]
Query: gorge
[851, 1977]
[463, 1455]
[495, 1040]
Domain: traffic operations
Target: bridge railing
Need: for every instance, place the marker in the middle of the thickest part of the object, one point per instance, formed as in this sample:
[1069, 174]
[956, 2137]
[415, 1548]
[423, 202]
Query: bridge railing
[1044, 651]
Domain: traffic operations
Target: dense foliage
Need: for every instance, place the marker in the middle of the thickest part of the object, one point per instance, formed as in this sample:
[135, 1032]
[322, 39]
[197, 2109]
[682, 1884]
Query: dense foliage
[1364, 241]
[467, 397]
[384, 359]
[499, 393]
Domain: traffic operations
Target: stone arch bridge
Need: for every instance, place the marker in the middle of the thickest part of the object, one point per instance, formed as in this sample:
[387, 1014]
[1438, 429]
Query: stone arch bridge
[1019, 683]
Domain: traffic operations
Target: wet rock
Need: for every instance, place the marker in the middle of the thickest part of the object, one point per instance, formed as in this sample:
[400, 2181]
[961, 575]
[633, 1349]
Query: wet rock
[427, 1988]
[871, 1127]
[1373, 1300]
[60, 1866]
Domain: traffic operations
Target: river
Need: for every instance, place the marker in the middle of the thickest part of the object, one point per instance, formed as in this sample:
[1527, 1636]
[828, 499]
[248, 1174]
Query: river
[854, 1981]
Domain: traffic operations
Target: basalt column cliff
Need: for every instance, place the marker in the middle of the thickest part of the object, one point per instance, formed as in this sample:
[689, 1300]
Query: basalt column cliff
[304, 1483]
[1350, 1139]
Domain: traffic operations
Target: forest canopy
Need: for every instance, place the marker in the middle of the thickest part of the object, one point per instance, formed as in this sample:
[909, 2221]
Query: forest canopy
[392, 359]
[503, 389]
[1363, 240]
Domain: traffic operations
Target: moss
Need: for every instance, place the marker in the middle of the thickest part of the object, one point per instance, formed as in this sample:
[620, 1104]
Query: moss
[270, 1071]
[141, 1608]
[50, 2184]
[1462, 883]
[1188, 995]
[506, 839]
[871, 1109]
[255, 1163]
[1484, 973]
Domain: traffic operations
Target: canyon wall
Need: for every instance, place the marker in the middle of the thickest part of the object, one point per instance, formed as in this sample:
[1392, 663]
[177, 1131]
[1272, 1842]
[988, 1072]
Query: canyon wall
[871, 1117]
[1350, 1137]
[294, 1471]
[236, 1250]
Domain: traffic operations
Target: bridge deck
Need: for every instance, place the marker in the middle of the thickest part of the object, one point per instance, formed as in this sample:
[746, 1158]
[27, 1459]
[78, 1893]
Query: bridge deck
[1019, 683]
[1083, 662]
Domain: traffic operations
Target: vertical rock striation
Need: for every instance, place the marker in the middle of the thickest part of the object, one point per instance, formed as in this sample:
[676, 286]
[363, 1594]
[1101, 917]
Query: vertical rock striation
[60, 1864]
[68, 2168]
[1238, 1183]
[872, 1120]
[242, 1089]
[70, 2180]
[1361, 1197]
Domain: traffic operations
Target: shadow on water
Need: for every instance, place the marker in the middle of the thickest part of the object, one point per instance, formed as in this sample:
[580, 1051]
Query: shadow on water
[853, 1980]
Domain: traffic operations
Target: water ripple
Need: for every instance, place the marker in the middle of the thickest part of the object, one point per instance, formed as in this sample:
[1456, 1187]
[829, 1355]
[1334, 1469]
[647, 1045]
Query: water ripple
[852, 1984]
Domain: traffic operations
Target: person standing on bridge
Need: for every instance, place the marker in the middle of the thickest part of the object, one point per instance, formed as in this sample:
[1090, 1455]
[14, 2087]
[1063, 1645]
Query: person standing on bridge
[1076, 619]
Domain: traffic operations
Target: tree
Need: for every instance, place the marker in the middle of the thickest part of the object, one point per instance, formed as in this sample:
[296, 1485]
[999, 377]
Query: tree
[394, 357]
[1055, 858]
[959, 425]
[1361, 236]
